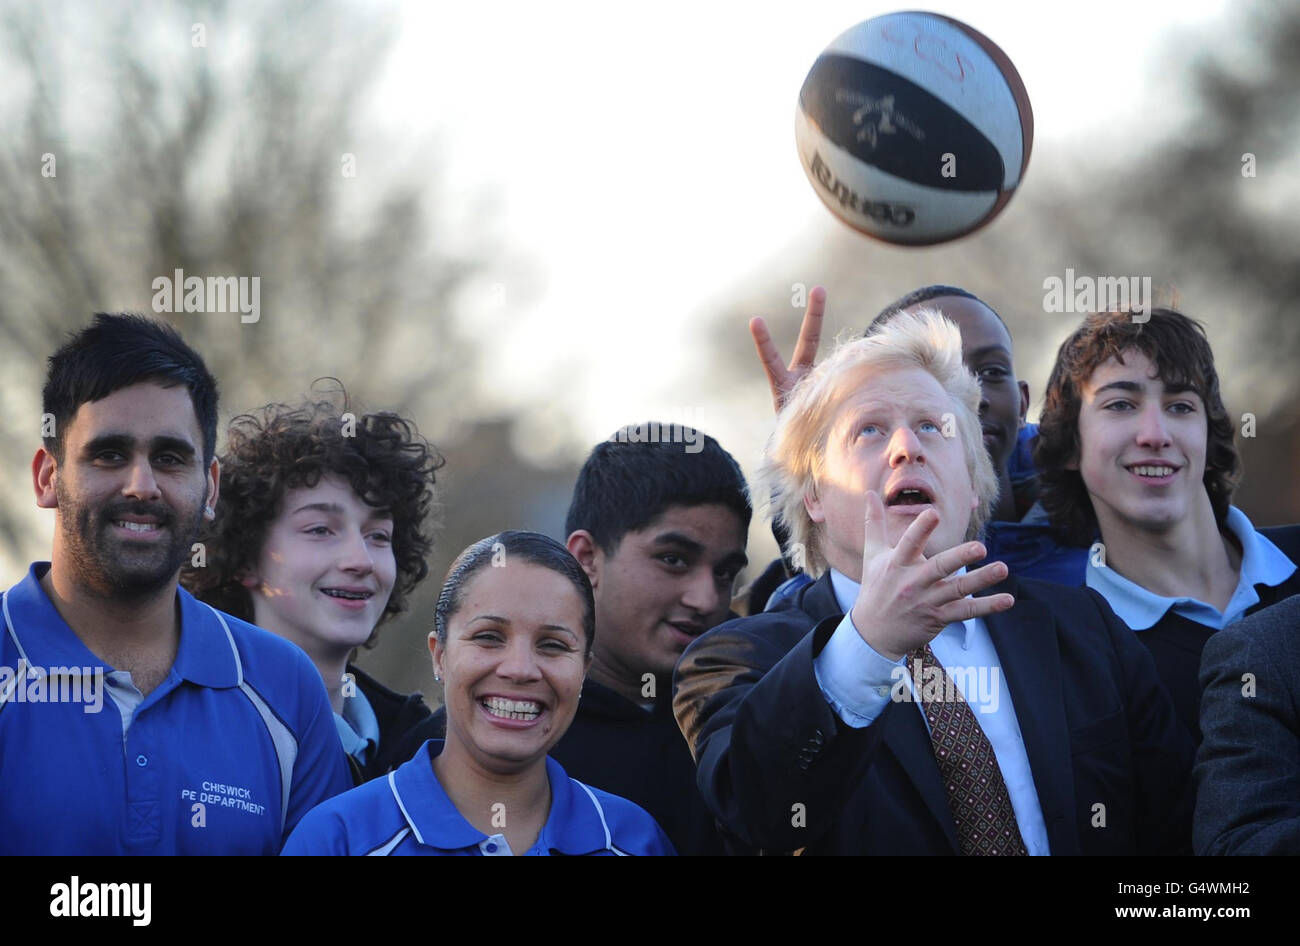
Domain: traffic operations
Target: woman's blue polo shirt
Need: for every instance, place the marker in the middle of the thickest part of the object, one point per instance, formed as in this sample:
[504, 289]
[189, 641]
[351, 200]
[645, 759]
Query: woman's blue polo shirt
[409, 813]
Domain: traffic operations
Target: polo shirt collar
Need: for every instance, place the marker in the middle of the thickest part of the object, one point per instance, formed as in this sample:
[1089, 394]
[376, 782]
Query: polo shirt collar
[34, 624]
[206, 655]
[575, 825]
[358, 727]
[577, 822]
[1262, 563]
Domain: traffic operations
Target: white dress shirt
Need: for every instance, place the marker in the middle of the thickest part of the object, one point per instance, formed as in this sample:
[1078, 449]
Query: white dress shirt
[859, 683]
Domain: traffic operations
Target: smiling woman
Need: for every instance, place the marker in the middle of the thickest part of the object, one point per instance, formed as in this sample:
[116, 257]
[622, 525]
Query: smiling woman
[514, 627]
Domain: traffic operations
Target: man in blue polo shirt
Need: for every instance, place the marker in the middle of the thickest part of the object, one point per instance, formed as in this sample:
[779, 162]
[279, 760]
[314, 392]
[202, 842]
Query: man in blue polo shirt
[133, 718]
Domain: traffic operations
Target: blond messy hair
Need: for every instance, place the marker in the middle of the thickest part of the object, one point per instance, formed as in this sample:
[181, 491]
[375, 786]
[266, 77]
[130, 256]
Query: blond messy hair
[794, 459]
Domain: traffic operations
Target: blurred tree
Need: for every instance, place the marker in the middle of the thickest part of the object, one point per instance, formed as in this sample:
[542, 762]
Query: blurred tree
[238, 139]
[224, 159]
[1210, 209]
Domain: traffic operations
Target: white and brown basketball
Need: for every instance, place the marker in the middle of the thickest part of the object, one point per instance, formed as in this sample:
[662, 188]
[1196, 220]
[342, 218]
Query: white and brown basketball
[914, 128]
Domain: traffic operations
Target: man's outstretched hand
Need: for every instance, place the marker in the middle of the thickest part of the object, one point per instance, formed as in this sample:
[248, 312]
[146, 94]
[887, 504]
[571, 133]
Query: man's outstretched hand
[780, 378]
[906, 599]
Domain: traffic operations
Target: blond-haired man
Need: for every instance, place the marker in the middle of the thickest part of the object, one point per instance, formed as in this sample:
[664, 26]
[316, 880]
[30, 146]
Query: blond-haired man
[893, 706]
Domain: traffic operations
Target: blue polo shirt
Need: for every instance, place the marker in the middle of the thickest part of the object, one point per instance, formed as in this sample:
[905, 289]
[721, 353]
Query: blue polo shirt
[225, 756]
[1262, 563]
[358, 727]
[409, 813]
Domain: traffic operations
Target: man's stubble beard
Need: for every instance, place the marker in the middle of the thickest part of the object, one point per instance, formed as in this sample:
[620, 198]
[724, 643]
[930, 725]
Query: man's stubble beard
[97, 560]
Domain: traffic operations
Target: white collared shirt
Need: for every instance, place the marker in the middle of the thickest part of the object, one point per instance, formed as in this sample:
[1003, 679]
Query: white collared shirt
[358, 727]
[1262, 563]
[858, 683]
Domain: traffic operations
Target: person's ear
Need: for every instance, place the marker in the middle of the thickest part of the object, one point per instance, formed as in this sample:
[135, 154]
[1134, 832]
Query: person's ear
[582, 546]
[45, 471]
[437, 651]
[248, 578]
[214, 486]
[1024, 401]
[812, 504]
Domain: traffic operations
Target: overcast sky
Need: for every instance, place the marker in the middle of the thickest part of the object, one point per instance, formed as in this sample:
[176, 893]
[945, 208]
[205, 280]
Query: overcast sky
[651, 148]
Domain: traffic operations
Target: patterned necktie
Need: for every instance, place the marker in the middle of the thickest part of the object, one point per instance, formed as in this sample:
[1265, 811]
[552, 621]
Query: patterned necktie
[977, 795]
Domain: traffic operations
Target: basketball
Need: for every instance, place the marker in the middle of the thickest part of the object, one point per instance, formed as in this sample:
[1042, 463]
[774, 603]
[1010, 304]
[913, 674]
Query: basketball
[914, 128]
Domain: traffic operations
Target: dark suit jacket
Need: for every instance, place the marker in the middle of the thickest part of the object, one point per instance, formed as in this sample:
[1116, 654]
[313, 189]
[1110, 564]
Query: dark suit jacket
[1098, 726]
[1248, 768]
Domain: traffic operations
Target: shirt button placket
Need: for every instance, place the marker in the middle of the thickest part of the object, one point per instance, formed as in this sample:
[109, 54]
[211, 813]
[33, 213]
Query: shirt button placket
[143, 784]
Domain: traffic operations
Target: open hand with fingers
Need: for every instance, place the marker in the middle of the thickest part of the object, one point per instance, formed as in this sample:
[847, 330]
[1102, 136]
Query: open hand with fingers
[907, 597]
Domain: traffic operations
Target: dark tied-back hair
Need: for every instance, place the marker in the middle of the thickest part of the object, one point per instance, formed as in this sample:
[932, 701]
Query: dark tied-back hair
[626, 483]
[503, 550]
[278, 448]
[1180, 351]
[116, 351]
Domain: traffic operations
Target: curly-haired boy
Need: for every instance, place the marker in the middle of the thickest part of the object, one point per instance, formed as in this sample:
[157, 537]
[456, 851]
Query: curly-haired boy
[320, 536]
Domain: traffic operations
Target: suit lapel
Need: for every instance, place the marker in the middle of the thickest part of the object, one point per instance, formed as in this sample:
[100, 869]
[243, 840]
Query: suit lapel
[909, 740]
[905, 733]
[818, 600]
[1026, 642]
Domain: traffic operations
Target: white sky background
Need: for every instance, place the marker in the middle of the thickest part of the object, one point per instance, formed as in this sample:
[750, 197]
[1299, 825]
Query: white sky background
[644, 157]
